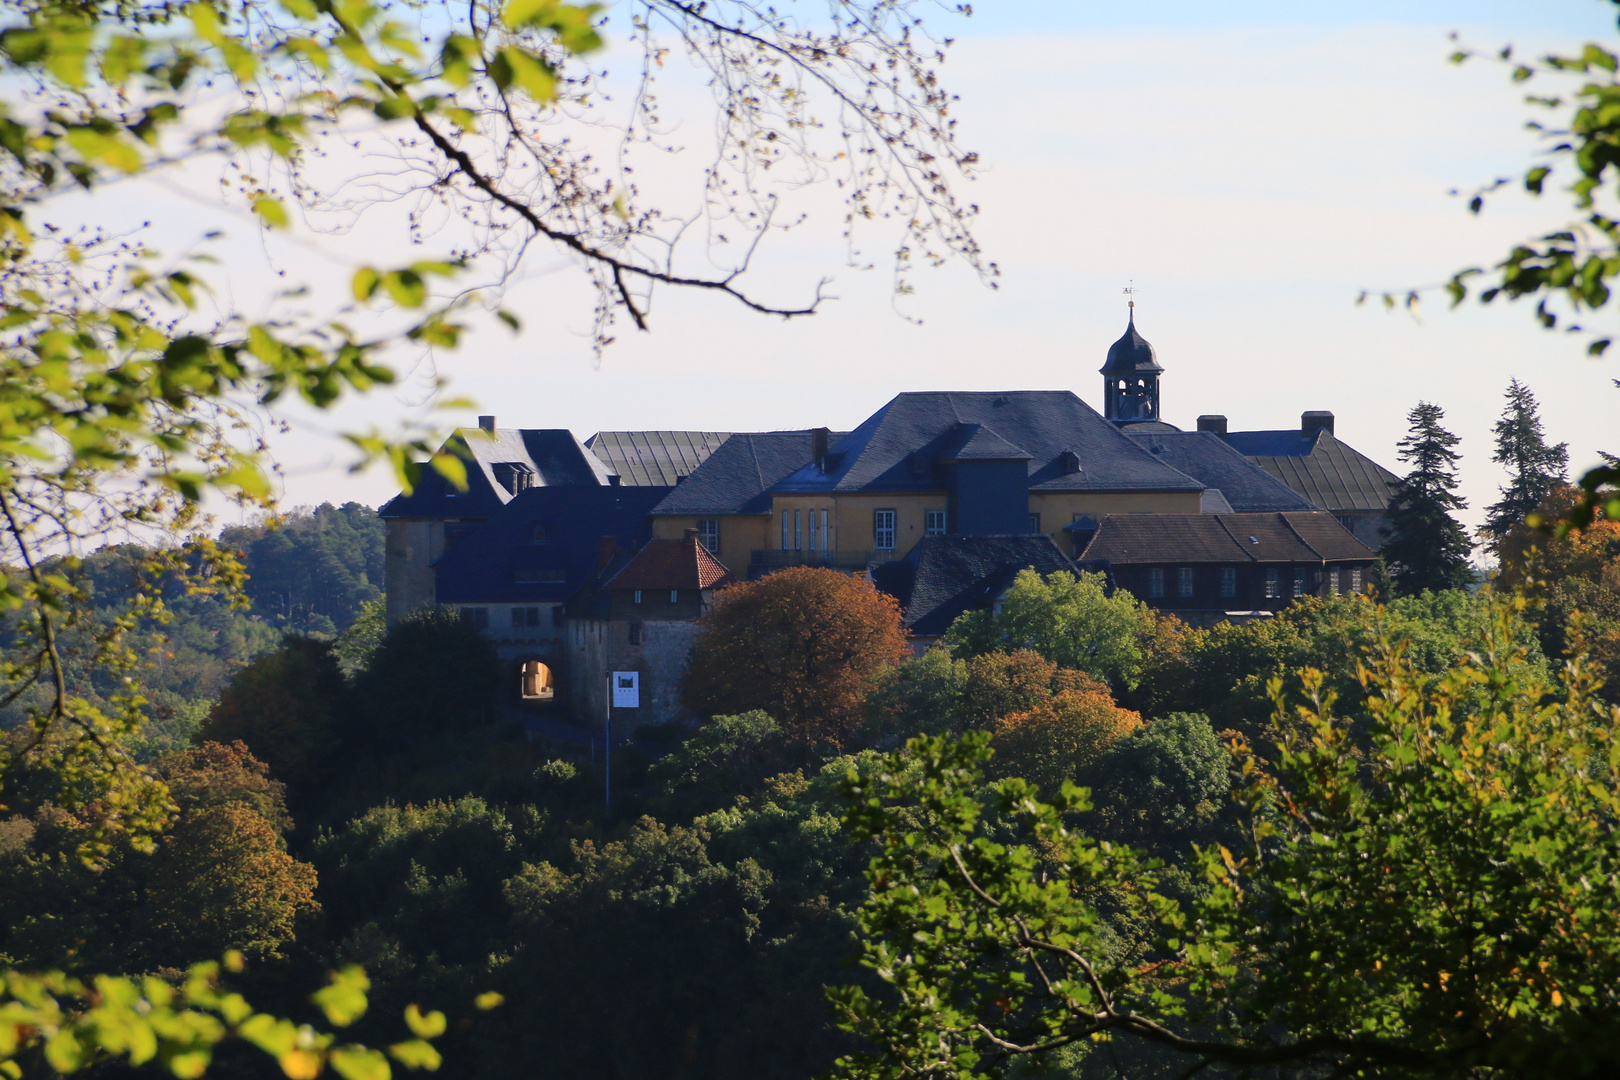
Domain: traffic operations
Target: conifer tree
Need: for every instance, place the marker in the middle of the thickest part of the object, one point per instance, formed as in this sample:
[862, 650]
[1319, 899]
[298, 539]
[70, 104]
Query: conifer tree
[1425, 546]
[1534, 468]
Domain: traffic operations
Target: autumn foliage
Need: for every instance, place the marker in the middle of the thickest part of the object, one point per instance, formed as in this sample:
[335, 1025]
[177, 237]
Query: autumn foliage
[1047, 724]
[801, 644]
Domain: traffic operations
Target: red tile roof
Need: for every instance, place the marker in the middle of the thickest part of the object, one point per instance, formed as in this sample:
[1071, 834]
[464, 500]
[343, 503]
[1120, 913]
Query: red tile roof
[671, 564]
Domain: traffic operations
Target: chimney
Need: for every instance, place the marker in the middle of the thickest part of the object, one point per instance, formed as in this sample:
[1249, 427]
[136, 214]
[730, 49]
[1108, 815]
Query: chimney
[691, 534]
[1213, 422]
[486, 424]
[1315, 420]
[606, 548]
[818, 444]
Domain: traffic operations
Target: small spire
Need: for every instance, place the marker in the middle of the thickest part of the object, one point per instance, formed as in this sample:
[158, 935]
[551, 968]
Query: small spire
[1130, 290]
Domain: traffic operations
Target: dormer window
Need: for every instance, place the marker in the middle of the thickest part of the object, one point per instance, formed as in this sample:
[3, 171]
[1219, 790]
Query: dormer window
[514, 476]
[1069, 462]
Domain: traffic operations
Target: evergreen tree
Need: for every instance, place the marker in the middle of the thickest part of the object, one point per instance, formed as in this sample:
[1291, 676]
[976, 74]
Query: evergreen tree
[1425, 546]
[1534, 468]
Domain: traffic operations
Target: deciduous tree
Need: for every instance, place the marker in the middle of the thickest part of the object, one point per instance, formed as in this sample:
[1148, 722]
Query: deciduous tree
[801, 644]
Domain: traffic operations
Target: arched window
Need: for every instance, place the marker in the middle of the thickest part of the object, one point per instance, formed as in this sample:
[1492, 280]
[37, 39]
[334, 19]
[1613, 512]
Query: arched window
[537, 682]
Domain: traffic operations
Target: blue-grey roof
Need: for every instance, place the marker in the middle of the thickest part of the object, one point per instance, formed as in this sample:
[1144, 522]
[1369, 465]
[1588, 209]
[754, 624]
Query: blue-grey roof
[483, 565]
[737, 477]
[1329, 473]
[895, 448]
[1294, 537]
[980, 442]
[1202, 455]
[1131, 353]
[659, 458]
[944, 576]
[552, 455]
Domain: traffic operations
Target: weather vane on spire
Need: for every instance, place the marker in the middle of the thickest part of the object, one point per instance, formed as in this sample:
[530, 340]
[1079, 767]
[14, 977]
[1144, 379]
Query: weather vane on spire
[1130, 291]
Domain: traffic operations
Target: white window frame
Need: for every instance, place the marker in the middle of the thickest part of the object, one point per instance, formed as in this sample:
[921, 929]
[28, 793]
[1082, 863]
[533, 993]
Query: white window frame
[1355, 580]
[708, 530]
[674, 596]
[1300, 575]
[798, 533]
[1273, 583]
[637, 597]
[1333, 581]
[883, 530]
[1155, 583]
[787, 530]
[933, 523]
[814, 530]
[1185, 582]
[1228, 582]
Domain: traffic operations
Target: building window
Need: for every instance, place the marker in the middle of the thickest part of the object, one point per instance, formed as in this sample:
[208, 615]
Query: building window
[635, 633]
[933, 523]
[1348, 522]
[1228, 582]
[787, 531]
[637, 598]
[709, 533]
[1184, 581]
[826, 536]
[1299, 581]
[674, 596]
[883, 530]
[1155, 582]
[1273, 583]
[537, 535]
[798, 533]
[1355, 580]
[1333, 582]
[478, 616]
[815, 533]
[1034, 523]
[524, 617]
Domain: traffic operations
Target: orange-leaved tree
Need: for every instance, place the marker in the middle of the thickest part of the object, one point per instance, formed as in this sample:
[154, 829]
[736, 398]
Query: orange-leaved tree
[801, 644]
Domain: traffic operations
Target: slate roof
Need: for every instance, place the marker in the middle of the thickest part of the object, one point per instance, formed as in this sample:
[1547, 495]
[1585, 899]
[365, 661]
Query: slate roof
[482, 567]
[737, 477]
[553, 455]
[658, 458]
[1131, 353]
[944, 576]
[671, 564]
[980, 442]
[1326, 471]
[1300, 537]
[1202, 455]
[879, 454]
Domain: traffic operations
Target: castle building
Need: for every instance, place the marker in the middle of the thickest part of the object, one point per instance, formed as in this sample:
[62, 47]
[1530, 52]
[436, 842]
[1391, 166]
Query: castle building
[941, 496]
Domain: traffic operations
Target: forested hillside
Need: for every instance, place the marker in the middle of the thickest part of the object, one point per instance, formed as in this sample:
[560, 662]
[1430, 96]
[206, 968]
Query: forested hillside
[309, 572]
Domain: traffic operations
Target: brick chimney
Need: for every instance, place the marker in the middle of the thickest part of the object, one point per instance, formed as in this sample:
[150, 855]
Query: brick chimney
[606, 548]
[1212, 422]
[819, 438]
[1315, 420]
[486, 424]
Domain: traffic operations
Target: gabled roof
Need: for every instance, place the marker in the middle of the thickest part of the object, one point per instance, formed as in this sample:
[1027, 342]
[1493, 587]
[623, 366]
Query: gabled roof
[944, 576]
[553, 457]
[658, 458]
[483, 566]
[671, 564]
[894, 449]
[1326, 471]
[980, 442]
[1245, 486]
[1303, 537]
[735, 478]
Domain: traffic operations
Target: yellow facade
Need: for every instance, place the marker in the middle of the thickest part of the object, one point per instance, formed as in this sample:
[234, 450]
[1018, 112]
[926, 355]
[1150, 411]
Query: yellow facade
[851, 520]
[740, 535]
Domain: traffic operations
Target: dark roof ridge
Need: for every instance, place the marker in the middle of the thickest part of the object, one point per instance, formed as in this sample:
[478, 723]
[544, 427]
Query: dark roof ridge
[1298, 536]
[1239, 543]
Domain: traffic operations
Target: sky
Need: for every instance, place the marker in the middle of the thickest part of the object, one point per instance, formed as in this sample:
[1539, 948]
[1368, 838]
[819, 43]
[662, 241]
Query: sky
[1249, 167]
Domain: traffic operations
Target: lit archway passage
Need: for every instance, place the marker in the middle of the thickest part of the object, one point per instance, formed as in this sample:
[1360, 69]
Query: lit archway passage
[537, 684]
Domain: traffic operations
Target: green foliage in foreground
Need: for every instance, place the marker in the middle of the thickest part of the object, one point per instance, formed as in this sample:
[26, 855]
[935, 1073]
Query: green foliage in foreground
[1430, 891]
[69, 1025]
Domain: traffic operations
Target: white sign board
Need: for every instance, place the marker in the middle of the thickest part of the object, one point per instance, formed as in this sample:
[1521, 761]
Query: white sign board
[627, 690]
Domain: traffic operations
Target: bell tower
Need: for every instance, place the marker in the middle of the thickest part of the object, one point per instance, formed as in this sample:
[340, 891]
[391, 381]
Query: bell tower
[1131, 377]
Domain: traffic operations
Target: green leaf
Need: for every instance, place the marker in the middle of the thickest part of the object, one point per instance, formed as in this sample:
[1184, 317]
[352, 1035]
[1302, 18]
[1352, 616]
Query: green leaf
[344, 1000]
[515, 67]
[365, 283]
[359, 1063]
[489, 999]
[430, 1026]
[509, 319]
[271, 210]
[416, 1054]
[406, 287]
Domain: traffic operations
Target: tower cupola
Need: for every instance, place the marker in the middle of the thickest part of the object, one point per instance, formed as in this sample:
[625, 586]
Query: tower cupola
[1131, 377]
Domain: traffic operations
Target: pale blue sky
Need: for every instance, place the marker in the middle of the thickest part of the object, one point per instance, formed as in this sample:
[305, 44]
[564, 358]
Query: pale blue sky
[1250, 165]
